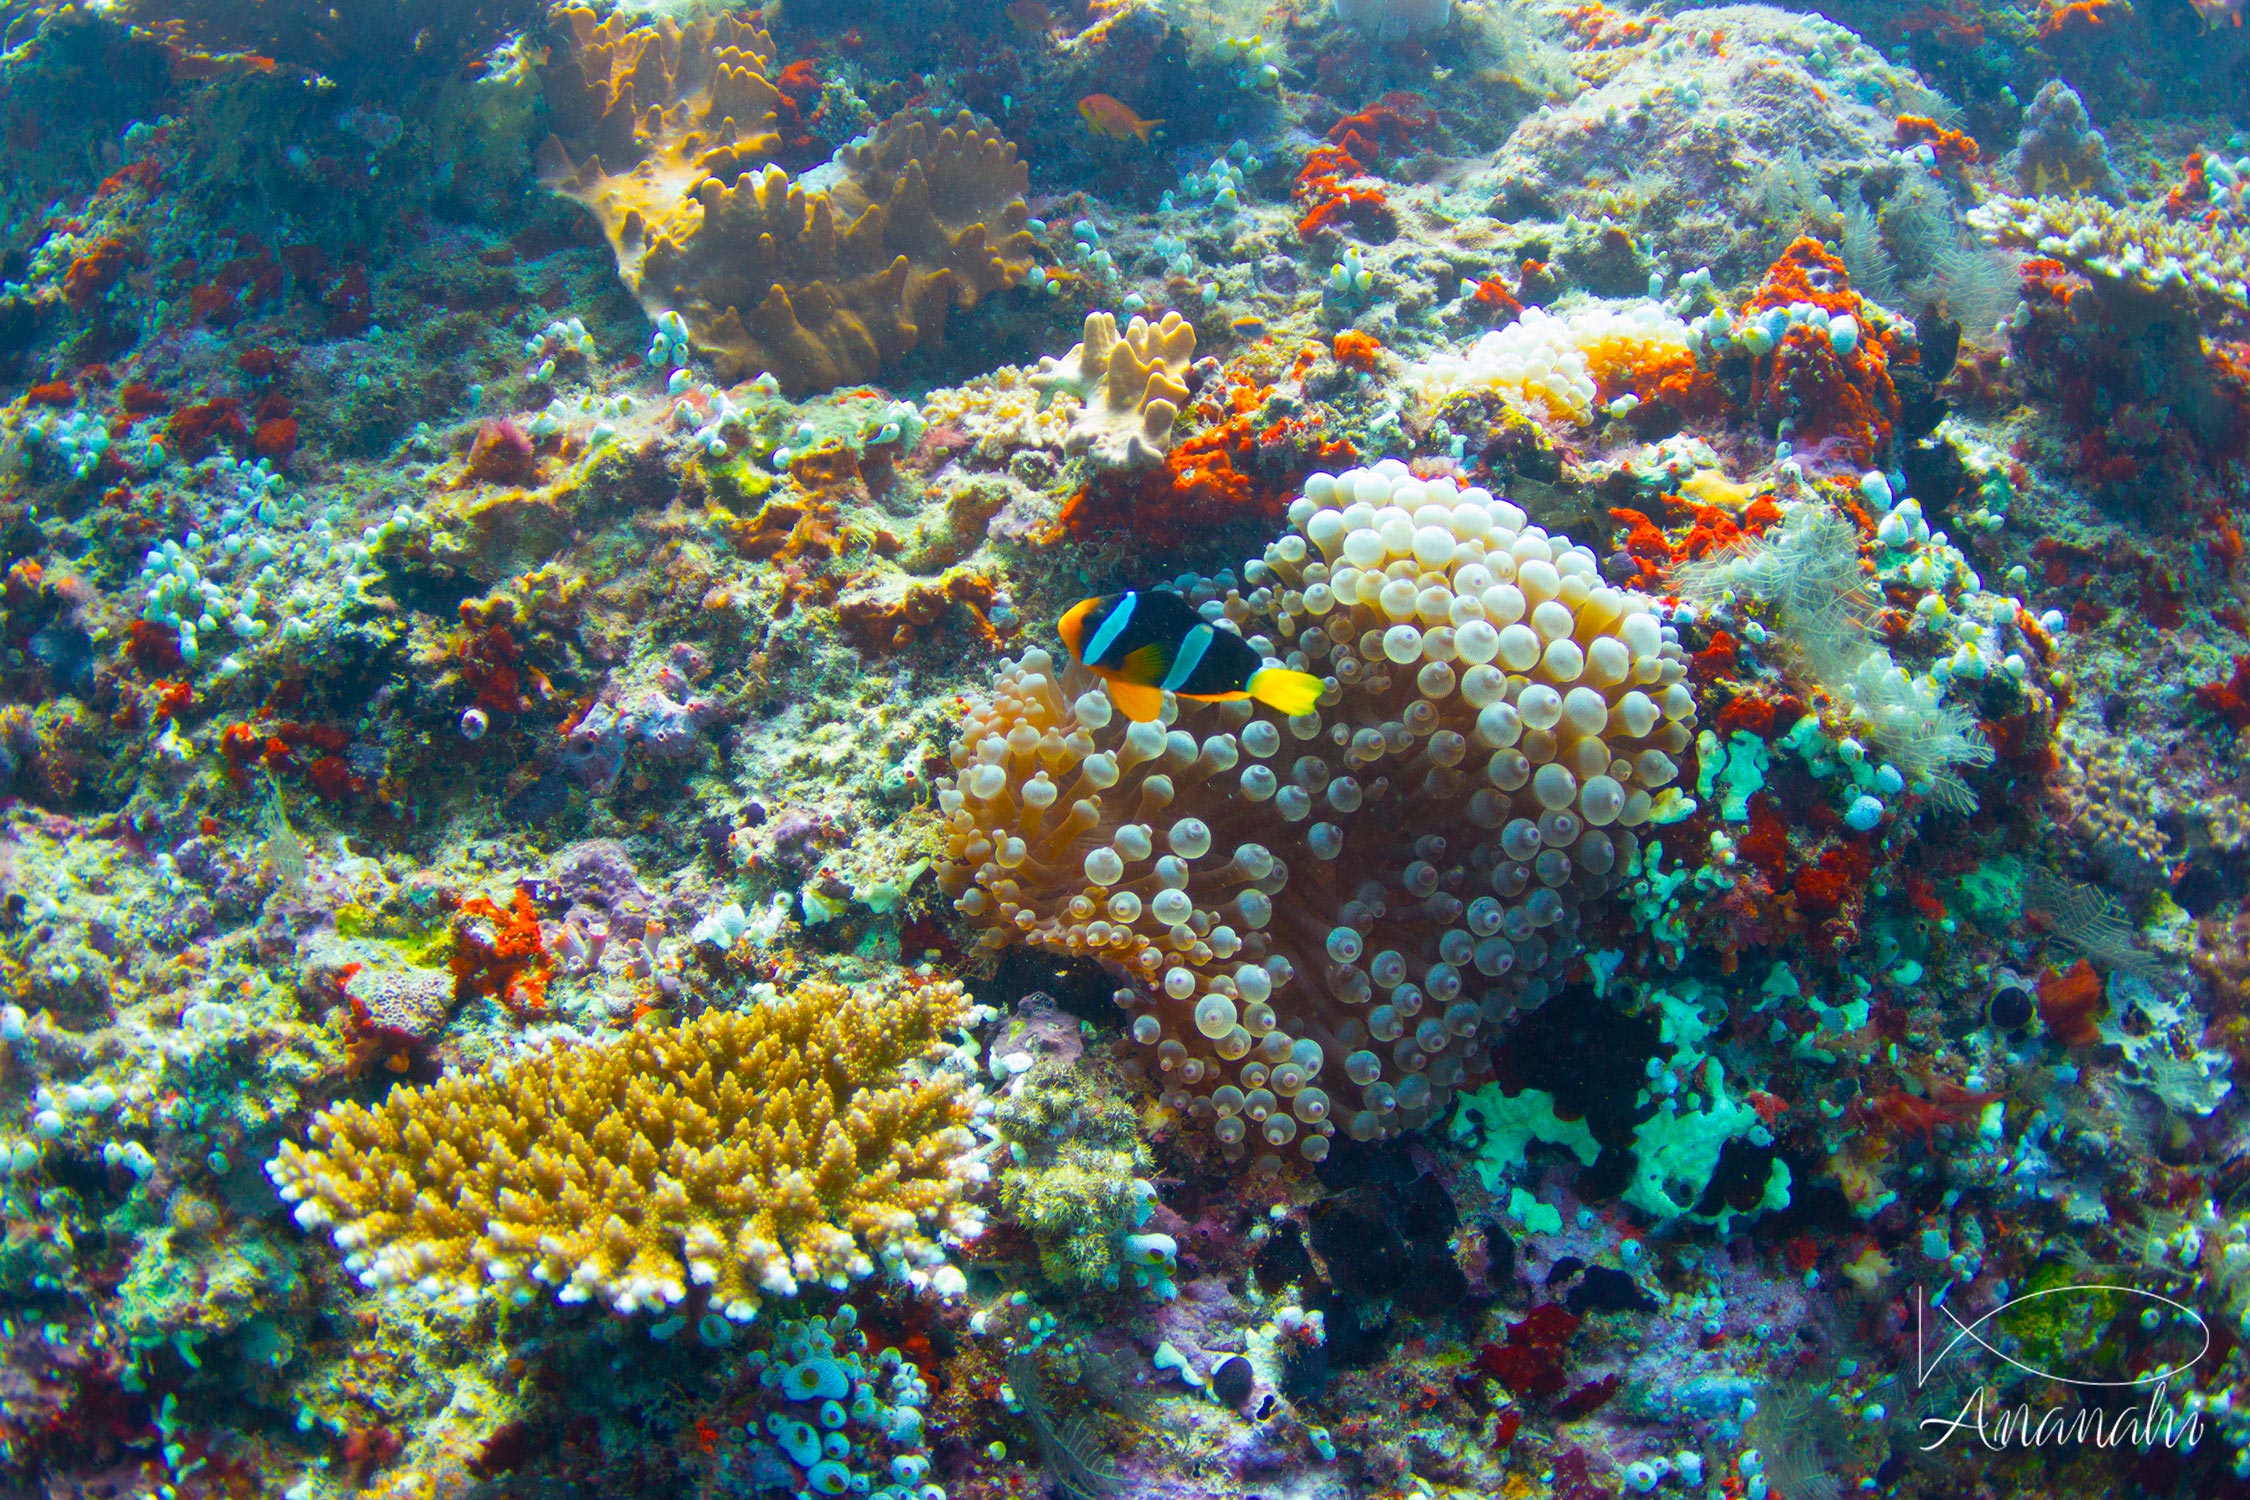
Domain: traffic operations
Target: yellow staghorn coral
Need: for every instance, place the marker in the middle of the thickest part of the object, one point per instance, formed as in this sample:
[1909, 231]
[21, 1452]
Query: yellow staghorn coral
[2136, 250]
[1322, 920]
[801, 1141]
[668, 133]
[1131, 384]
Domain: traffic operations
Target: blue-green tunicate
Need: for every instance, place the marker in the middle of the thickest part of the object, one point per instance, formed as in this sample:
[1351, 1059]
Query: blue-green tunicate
[816, 1379]
[798, 1440]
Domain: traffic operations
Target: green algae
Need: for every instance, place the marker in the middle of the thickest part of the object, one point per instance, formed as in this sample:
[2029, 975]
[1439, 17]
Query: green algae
[1991, 895]
[2058, 1333]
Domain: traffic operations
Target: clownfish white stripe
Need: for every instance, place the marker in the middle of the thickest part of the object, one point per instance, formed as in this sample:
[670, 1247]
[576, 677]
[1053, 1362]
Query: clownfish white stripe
[1192, 646]
[1112, 628]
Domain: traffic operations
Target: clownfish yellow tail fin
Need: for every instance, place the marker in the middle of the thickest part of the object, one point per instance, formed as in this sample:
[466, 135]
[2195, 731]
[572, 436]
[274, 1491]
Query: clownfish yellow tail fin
[1284, 691]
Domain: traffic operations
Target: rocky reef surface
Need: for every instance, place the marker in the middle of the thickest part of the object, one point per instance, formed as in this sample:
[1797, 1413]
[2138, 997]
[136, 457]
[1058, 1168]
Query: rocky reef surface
[569, 927]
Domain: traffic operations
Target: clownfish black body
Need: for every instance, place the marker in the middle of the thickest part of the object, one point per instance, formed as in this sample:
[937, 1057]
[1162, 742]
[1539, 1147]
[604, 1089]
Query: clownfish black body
[1147, 643]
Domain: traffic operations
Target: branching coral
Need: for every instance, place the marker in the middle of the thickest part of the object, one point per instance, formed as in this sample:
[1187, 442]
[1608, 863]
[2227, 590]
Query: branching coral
[673, 135]
[1398, 870]
[2135, 250]
[747, 1152]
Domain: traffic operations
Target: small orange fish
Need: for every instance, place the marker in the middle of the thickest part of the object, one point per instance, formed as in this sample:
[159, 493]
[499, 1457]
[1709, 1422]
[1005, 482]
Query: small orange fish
[194, 67]
[1114, 118]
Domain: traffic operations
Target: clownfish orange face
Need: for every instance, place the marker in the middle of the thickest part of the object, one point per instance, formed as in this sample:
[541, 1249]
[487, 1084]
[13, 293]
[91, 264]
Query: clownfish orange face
[1072, 626]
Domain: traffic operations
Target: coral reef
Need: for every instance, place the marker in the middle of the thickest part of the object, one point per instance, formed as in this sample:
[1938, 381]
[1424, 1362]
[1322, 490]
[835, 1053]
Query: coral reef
[410, 37]
[1787, 102]
[627, 1173]
[2136, 251]
[2059, 152]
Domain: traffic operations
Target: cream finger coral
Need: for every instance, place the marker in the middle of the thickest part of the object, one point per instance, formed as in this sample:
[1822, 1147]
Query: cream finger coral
[1132, 384]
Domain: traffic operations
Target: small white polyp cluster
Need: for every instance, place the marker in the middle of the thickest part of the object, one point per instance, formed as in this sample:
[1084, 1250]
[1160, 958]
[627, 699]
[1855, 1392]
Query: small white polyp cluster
[1321, 916]
[1553, 366]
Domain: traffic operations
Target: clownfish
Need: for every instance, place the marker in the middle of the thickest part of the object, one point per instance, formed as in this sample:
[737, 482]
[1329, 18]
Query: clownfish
[1143, 645]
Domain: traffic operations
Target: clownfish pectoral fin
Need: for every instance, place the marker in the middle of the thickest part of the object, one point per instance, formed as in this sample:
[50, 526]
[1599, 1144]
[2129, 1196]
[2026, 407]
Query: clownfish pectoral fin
[1147, 663]
[1284, 691]
[1141, 701]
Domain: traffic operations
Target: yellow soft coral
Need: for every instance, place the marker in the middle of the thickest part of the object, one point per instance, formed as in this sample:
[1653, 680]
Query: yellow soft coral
[654, 109]
[744, 1151]
[669, 134]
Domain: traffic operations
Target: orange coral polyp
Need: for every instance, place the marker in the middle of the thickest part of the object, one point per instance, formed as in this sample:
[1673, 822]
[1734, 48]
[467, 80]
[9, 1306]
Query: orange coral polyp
[1952, 147]
[1353, 150]
[2079, 15]
[1652, 372]
[1356, 351]
[1846, 402]
[1807, 272]
[513, 967]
